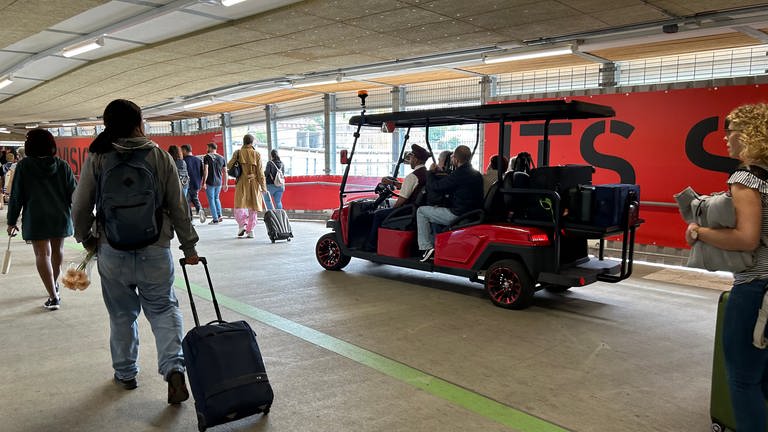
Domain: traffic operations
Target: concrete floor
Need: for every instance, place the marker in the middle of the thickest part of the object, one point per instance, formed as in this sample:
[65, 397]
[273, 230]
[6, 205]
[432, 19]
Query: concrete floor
[377, 348]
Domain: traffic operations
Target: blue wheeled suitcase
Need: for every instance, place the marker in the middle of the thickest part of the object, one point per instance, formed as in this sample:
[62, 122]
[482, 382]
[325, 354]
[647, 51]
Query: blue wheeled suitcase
[224, 365]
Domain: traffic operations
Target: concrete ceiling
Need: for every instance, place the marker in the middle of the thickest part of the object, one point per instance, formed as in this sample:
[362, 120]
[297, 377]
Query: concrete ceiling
[163, 54]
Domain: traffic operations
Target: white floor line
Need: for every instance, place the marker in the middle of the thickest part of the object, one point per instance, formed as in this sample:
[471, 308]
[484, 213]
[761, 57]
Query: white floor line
[666, 291]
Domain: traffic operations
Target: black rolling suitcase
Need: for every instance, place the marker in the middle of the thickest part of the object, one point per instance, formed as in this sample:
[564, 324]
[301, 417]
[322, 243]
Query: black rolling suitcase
[224, 366]
[278, 225]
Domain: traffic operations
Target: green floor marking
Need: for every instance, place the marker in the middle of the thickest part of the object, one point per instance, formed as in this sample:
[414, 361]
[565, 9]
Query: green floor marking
[460, 396]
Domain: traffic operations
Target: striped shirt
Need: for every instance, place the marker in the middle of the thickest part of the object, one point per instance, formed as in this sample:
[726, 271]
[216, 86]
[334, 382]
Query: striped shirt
[760, 268]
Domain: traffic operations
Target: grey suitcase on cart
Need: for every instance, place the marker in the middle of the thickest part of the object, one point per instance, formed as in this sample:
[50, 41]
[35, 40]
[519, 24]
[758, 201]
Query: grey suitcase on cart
[278, 225]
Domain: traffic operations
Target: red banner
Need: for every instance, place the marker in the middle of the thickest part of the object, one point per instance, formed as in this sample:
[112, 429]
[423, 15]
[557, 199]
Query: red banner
[662, 141]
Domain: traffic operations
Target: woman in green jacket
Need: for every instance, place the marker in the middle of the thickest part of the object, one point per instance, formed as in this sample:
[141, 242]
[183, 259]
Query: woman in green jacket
[42, 193]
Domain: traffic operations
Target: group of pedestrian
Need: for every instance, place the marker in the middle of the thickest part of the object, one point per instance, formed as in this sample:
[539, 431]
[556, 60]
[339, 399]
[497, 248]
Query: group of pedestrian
[256, 191]
[134, 276]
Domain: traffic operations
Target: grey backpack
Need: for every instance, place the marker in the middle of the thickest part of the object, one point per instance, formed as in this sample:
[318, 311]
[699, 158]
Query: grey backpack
[128, 204]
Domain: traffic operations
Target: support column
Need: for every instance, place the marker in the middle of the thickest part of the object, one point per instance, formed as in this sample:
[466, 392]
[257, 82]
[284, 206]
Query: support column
[398, 104]
[487, 92]
[329, 133]
[226, 134]
[271, 128]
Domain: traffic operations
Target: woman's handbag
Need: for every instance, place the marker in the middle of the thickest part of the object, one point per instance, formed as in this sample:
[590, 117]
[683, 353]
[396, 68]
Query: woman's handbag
[236, 171]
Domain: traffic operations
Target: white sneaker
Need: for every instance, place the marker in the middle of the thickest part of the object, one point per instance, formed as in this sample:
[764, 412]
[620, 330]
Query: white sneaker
[427, 254]
[240, 231]
[201, 213]
[250, 234]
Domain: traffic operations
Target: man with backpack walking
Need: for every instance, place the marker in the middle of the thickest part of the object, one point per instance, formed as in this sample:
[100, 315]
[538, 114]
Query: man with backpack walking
[135, 189]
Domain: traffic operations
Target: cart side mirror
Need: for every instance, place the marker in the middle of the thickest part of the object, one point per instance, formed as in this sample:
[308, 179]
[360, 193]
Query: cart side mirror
[344, 157]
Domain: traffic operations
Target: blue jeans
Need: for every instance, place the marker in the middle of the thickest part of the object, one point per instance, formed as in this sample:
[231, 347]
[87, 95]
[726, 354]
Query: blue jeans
[136, 280]
[430, 214]
[277, 196]
[745, 365]
[212, 193]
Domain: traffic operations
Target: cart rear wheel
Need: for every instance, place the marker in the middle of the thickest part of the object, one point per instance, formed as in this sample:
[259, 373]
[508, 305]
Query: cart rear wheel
[328, 253]
[509, 285]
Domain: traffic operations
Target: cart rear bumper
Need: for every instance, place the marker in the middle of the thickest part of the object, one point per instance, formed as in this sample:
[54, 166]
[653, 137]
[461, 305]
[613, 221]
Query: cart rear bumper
[582, 274]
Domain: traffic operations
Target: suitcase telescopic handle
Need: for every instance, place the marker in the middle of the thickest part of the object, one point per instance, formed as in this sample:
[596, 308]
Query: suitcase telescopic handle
[183, 263]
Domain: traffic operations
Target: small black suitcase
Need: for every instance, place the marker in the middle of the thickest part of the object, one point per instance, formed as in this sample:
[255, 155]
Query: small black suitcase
[278, 226]
[224, 365]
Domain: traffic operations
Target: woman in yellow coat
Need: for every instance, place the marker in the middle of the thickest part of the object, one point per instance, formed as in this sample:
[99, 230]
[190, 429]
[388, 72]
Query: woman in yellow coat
[249, 188]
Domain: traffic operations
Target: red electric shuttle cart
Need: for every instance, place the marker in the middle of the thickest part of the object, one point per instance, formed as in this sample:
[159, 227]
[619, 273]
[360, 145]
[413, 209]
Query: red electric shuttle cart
[532, 231]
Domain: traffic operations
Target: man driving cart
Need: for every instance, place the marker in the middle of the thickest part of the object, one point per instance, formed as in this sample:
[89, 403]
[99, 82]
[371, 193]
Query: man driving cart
[410, 190]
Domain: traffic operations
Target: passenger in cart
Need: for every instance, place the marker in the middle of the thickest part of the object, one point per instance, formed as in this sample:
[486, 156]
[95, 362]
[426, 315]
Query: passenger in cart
[465, 186]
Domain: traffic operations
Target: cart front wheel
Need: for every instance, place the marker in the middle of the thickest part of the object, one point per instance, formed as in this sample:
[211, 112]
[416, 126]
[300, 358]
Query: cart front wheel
[509, 285]
[328, 253]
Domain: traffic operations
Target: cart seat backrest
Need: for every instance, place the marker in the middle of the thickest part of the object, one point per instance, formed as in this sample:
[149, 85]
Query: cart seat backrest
[493, 206]
[515, 179]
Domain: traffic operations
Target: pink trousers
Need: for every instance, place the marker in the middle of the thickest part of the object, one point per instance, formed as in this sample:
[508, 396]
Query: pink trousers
[246, 218]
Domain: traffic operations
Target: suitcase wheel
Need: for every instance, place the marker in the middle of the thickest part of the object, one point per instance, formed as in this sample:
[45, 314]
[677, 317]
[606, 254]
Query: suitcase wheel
[201, 422]
[717, 427]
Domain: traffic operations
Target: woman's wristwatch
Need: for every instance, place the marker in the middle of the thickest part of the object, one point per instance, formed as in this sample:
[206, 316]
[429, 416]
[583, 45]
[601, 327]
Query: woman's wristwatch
[695, 234]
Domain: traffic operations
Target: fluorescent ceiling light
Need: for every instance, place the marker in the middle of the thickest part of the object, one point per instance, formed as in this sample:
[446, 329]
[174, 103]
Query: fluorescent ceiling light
[83, 47]
[5, 82]
[4, 130]
[229, 3]
[31, 126]
[68, 124]
[530, 55]
[315, 83]
[199, 103]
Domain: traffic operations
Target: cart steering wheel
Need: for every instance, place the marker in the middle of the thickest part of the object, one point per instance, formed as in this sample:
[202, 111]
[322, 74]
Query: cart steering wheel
[385, 191]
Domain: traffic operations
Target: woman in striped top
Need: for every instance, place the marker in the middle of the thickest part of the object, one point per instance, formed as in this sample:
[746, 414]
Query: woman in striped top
[746, 129]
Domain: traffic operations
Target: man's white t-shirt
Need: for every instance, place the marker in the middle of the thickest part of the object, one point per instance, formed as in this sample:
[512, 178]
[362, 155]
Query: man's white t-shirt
[410, 183]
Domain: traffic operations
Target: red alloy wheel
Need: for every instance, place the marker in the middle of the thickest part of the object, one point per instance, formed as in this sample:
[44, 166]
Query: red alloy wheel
[508, 285]
[329, 254]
